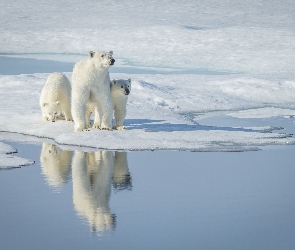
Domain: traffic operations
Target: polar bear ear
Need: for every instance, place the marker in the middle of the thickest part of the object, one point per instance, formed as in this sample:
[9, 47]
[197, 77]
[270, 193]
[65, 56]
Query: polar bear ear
[111, 52]
[114, 81]
[129, 80]
[91, 53]
[57, 103]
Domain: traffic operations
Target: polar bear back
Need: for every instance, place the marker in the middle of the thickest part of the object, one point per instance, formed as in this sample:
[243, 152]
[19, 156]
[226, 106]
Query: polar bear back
[56, 97]
[56, 87]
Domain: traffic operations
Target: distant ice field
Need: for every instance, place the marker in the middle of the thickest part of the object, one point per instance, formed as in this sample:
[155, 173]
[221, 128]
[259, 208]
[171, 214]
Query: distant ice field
[206, 75]
[232, 36]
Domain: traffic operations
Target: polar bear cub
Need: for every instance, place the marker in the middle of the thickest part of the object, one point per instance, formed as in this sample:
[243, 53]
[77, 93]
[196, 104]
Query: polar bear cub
[120, 89]
[55, 98]
[55, 164]
[91, 84]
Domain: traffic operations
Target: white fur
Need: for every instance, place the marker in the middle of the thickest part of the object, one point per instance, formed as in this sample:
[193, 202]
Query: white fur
[91, 84]
[92, 177]
[121, 175]
[55, 97]
[55, 164]
[120, 89]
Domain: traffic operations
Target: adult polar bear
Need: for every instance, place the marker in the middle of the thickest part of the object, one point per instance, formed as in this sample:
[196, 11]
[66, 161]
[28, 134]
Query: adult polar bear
[91, 84]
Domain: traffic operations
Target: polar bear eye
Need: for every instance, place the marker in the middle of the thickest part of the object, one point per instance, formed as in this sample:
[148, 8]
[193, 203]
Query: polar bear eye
[102, 55]
[121, 86]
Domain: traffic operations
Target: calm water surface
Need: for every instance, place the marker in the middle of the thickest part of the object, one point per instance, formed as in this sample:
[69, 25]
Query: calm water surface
[148, 200]
[145, 200]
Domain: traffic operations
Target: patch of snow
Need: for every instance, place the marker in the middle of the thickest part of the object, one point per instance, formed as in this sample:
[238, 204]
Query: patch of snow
[8, 160]
[152, 125]
[6, 149]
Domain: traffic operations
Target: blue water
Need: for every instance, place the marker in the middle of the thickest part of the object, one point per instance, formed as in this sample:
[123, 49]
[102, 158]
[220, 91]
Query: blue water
[150, 200]
[18, 65]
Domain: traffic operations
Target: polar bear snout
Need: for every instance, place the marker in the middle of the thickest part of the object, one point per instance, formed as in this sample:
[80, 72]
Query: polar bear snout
[52, 117]
[112, 61]
[127, 91]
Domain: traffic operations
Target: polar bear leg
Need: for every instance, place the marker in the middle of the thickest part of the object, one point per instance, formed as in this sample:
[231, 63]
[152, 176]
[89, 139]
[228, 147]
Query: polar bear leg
[106, 111]
[120, 114]
[88, 115]
[97, 121]
[103, 112]
[67, 110]
[79, 116]
[79, 111]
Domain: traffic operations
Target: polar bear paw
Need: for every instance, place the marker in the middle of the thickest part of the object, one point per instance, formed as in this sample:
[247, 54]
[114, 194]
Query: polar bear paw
[103, 128]
[82, 129]
[70, 119]
[96, 126]
[85, 130]
[120, 128]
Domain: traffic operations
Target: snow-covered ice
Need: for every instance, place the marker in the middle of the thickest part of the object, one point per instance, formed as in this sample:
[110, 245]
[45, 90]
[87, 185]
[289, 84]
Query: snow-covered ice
[233, 36]
[186, 60]
[157, 117]
[6, 149]
[8, 160]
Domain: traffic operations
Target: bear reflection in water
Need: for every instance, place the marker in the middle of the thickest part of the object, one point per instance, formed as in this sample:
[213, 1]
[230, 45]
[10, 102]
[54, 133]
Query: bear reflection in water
[93, 174]
[55, 164]
[121, 176]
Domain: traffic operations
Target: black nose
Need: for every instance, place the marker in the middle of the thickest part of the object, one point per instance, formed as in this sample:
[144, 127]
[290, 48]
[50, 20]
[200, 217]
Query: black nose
[127, 91]
[112, 61]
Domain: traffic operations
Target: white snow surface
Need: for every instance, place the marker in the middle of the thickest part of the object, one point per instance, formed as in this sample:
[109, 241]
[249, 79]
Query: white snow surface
[159, 111]
[6, 149]
[202, 57]
[231, 35]
[8, 160]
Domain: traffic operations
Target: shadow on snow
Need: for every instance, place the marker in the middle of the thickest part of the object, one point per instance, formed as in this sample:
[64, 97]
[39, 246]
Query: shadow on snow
[158, 126]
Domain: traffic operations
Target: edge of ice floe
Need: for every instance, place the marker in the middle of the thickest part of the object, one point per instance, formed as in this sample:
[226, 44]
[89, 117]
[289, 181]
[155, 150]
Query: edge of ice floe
[8, 160]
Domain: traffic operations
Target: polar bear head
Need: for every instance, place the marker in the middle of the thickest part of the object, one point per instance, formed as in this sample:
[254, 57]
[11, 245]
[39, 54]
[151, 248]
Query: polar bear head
[121, 87]
[50, 110]
[101, 59]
